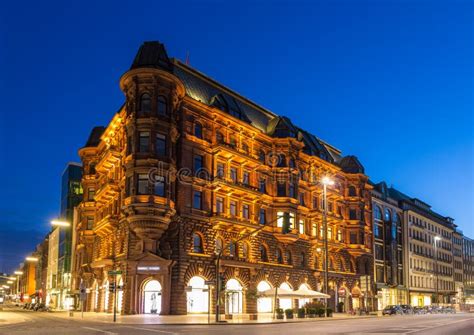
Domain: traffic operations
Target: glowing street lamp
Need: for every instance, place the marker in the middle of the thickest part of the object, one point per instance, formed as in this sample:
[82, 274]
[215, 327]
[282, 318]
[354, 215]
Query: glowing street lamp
[9, 281]
[31, 259]
[60, 223]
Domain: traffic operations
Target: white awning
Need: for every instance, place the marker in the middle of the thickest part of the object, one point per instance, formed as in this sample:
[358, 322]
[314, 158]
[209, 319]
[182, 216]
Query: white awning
[301, 293]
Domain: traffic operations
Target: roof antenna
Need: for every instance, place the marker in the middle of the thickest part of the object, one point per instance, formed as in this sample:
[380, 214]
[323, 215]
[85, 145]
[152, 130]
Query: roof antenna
[187, 58]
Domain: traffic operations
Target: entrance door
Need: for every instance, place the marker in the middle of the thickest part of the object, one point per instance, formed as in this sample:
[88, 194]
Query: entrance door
[197, 296]
[233, 297]
[152, 297]
[264, 305]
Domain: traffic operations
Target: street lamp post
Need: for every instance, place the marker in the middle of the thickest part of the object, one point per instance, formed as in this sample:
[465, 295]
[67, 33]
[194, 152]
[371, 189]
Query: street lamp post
[326, 181]
[436, 239]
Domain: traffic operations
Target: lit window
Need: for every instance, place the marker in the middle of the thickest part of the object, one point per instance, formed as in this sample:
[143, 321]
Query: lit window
[339, 235]
[90, 194]
[245, 250]
[301, 227]
[329, 233]
[314, 229]
[233, 249]
[280, 220]
[90, 222]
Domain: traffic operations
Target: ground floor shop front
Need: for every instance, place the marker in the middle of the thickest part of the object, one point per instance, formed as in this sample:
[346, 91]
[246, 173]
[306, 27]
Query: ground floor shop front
[152, 285]
[387, 296]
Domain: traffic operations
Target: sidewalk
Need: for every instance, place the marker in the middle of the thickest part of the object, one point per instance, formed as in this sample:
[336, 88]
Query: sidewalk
[196, 319]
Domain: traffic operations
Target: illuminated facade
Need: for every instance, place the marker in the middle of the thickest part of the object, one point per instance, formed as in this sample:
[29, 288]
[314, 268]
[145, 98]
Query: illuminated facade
[186, 167]
[429, 253]
[468, 271]
[388, 228]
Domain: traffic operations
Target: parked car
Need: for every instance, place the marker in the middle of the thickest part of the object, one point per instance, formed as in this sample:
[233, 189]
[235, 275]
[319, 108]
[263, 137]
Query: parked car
[392, 310]
[449, 310]
[407, 309]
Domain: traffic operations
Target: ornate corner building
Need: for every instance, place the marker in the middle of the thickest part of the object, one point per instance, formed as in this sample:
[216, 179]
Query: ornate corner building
[185, 168]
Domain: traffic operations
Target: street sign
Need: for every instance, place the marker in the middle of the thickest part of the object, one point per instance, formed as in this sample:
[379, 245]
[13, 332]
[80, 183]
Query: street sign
[114, 272]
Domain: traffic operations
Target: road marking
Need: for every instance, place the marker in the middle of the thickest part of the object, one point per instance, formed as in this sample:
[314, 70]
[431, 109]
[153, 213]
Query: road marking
[431, 327]
[100, 330]
[153, 330]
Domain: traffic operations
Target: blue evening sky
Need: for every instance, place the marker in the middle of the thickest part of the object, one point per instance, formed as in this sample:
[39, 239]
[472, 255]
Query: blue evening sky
[388, 81]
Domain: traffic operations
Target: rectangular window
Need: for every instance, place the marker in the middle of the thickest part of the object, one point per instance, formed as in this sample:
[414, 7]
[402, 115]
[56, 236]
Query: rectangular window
[280, 220]
[233, 174]
[198, 159]
[281, 189]
[142, 184]
[262, 186]
[301, 227]
[144, 141]
[90, 194]
[329, 233]
[302, 203]
[314, 229]
[246, 211]
[339, 235]
[246, 178]
[220, 170]
[197, 200]
[378, 252]
[159, 186]
[233, 207]
[219, 205]
[262, 217]
[353, 238]
[330, 206]
[90, 222]
[315, 202]
[352, 214]
[292, 190]
[160, 145]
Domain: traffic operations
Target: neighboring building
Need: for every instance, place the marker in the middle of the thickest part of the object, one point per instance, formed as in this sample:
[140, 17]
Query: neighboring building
[239, 167]
[27, 281]
[42, 269]
[388, 229]
[468, 271]
[428, 253]
[61, 239]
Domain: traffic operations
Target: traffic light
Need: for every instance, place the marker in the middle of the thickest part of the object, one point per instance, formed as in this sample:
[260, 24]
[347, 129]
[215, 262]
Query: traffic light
[286, 227]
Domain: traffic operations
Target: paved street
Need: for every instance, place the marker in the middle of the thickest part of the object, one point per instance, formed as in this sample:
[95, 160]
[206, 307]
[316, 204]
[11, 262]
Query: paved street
[27, 322]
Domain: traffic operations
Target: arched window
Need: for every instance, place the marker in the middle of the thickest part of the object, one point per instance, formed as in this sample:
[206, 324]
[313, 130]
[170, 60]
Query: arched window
[377, 213]
[197, 243]
[161, 105]
[233, 252]
[303, 259]
[245, 250]
[387, 215]
[219, 137]
[145, 103]
[279, 256]
[281, 160]
[289, 258]
[352, 191]
[198, 130]
[261, 156]
[219, 245]
[263, 253]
